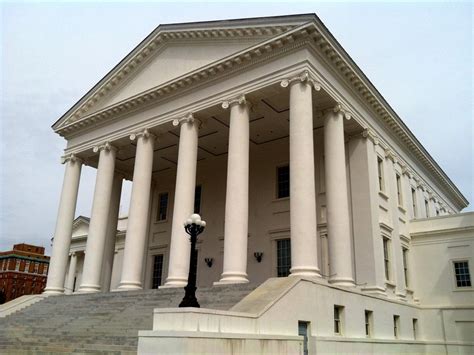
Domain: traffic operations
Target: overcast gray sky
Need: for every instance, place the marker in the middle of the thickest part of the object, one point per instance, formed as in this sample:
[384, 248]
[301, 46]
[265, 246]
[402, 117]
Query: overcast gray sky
[418, 55]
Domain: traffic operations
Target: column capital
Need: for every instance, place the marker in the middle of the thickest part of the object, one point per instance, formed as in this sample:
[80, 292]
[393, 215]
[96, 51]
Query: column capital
[371, 135]
[303, 77]
[338, 109]
[105, 146]
[187, 118]
[406, 171]
[146, 134]
[74, 254]
[239, 100]
[390, 154]
[73, 158]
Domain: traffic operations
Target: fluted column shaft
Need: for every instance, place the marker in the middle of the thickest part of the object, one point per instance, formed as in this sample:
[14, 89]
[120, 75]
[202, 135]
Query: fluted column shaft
[71, 274]
[180, 247]
[63, 231]
[304, 255]
[237, 195]
[92, 271]
[136, 237]
[111, 235]
[337, 203]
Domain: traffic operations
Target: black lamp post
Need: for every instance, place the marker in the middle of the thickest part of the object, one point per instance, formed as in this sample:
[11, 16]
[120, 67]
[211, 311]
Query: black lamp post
[193, 226]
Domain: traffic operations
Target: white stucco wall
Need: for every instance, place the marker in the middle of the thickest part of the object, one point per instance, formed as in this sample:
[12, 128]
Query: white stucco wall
[436, 243]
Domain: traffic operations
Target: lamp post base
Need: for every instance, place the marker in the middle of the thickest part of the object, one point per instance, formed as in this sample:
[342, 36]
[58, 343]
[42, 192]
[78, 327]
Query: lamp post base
[189, 299]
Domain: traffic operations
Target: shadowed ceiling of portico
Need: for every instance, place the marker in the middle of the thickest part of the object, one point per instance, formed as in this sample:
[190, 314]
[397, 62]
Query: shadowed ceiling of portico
[269, 121]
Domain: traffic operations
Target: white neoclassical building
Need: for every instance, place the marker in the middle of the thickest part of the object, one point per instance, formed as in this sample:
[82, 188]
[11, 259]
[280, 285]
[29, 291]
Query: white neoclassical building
[311, 185]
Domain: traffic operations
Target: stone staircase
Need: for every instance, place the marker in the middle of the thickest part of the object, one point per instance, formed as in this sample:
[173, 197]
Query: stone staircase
[103, 323]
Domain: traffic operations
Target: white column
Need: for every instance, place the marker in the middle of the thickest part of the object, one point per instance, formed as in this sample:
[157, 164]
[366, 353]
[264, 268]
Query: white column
[71, 274]
[237, 194]
[180, 247]
[304, 255]
[95, 246]
[337, 201]
[111, 235]
[63, 231]
[137, 227]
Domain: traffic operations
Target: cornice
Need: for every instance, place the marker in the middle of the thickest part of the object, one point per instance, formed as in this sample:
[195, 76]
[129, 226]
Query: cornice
[315, 31]
[153, 44]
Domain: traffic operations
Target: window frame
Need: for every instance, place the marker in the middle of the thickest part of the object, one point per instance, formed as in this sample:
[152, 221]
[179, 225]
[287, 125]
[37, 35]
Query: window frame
[158, 207]
[398, 180]
[197, 188]
[396, 326]
[414, 322]
[368, 318]
[459, 260]
[405, 251]
[277, 181]
[386, 248]
[153, 270]
[338, 311]
[380, 173]
[277, 241]
[414, 202]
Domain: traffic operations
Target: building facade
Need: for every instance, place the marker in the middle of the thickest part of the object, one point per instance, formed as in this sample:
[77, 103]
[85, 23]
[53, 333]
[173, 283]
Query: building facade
[23, 271]
[269, 130]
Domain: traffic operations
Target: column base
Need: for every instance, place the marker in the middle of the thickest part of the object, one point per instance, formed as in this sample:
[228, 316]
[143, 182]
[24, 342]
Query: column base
[377, 290]
[53, 291]
[172, 282]
[342, 281]
[305, 271]
[228, 278]
[129, 286]
[401, 296]
[89, 289]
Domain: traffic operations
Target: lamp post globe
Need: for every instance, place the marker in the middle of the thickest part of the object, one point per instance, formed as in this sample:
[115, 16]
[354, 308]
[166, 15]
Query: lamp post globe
[193, 226]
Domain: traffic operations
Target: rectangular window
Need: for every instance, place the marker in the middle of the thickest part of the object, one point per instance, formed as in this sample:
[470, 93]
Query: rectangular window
[386, 257]
[162, 206]
[405, 265]
[380, 172]
[197, 199]
[368, 323]
[415, 328]
[338, 310]
[396, 326]
[157, 270]
[461, 271]
[283, 181]
[399, 190]
[437, 212]
[303, 331]
[283, 257]
[413, 202]
[427, 208]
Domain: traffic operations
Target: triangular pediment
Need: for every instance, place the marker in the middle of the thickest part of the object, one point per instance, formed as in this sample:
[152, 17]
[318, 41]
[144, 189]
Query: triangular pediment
[173, 60]
[80, 226]
[172, 51]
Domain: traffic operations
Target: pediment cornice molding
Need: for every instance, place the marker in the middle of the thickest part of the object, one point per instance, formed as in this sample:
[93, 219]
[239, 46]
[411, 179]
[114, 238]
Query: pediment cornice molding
[153, 44]
[81, 220]
[313, 33]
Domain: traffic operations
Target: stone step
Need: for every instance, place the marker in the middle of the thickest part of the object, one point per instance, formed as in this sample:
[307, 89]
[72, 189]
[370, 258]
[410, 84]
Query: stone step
[99, 323]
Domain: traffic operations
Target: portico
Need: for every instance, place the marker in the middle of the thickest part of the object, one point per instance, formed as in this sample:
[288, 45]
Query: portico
[294, 114]
[265, 135]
